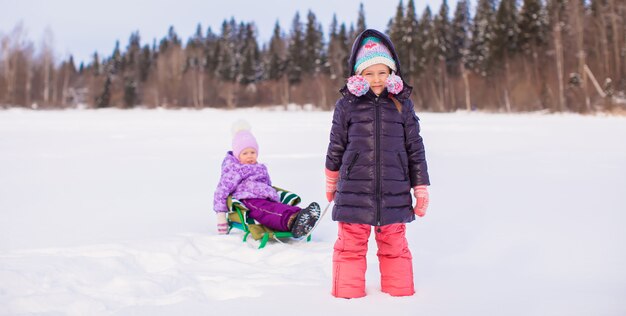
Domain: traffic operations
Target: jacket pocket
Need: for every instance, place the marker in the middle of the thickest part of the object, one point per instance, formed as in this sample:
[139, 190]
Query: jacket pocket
[352, 162]
[404, 173]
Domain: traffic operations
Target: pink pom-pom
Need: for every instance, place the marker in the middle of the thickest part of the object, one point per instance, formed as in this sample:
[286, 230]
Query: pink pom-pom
[394, 84]
[358, 85]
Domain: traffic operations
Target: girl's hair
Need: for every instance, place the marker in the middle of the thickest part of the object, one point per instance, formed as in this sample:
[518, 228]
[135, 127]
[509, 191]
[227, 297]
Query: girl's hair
[396, 102]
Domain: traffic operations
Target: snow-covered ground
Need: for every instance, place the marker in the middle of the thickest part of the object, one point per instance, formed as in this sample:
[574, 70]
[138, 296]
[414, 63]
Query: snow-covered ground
[108, 212]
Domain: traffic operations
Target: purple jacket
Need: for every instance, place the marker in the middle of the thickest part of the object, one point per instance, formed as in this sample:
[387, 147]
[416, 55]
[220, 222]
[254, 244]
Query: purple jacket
[242, 181]
[378, 151]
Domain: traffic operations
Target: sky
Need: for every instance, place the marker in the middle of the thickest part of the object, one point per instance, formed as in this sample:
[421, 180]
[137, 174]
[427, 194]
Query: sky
[80, 28]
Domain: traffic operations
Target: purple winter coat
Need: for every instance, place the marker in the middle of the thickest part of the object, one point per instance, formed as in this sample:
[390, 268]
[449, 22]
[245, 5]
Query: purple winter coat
[378, 151]
[242, 181]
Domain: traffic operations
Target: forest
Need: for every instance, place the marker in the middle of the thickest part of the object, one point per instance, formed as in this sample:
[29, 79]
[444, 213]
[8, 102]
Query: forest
[506, 56]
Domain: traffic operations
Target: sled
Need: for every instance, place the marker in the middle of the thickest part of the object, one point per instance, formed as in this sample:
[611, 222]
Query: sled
[238, 218]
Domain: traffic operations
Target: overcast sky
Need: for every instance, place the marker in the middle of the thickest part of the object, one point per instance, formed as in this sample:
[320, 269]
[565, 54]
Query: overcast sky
[81, 28]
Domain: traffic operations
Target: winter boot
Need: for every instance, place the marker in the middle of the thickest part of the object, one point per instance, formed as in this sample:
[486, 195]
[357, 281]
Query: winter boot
[305, 221]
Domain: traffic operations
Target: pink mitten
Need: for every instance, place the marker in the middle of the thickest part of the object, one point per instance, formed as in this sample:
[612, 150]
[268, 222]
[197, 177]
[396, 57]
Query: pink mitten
[331, 184]
[421, 195]
[222, 224]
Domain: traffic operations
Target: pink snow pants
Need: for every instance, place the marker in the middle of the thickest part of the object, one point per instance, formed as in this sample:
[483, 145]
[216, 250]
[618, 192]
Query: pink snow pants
[349, 262]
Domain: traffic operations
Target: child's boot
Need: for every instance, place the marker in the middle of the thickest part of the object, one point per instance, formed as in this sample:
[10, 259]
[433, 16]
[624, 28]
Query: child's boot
[305, 220]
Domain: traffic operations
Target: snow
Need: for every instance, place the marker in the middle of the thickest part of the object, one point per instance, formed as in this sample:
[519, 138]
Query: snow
[108, 212]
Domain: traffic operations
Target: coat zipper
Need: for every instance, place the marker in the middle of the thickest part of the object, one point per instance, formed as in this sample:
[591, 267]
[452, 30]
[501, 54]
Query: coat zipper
[377, 148]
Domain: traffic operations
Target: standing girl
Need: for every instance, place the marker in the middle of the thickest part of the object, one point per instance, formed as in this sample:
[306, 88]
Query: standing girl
[374, 159]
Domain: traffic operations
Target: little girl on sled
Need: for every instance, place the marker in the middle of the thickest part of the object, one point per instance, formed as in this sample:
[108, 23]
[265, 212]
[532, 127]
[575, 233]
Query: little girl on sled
[248, 181]
[374, 158]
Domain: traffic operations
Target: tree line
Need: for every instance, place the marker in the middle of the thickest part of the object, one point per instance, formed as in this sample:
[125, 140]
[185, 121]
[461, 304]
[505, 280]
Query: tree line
[555, 55]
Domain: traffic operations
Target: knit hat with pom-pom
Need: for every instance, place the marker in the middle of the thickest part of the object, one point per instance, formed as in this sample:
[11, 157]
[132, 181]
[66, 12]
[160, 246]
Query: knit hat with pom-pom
[372, 52]
[242, 138]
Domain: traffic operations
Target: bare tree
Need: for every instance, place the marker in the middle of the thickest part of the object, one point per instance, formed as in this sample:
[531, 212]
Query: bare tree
[558, 46]
[28, 74]
[577, 19]
[615, 38]
[601, 26]
[47, 58]
[6, 69]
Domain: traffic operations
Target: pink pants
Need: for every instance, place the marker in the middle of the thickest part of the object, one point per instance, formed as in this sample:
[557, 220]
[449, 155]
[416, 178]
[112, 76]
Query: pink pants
[349, 262]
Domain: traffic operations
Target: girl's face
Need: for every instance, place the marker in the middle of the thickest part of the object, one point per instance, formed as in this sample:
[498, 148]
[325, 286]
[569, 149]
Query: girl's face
[376, 75]
[248, 156]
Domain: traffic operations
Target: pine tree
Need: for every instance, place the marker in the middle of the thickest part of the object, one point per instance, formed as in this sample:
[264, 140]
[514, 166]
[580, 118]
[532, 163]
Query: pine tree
[442, 32]
[277, 54]
[459, 40]
[170, 66]
[352, 34]
[504, 45]
[397, 34]
[506, 31]
[130, 92]
[155, 49]
[211, 50]
[170, 40]
[294, 52]
[198, 35]
[338, 51]
[557, 13]
[426, 48]
[599, 27]
[115, 64]
[239, 44]
[194, 68]
[68, 72]
[459, 44]
[323, 51]
[145, 63]
[71, 66]
[533, 37]
[346, 40]
[133, 49]
[226, 60]
[360, 21]
[482, 35]
[332, 37]
[532, 27]
[276, 61]
[441, 52]
[172, 37]
[333, 28]
[104, 99]
[95, 65]
[250, 70]
[131, 71]
[411, 67]
[194, 50]
[313, 46]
